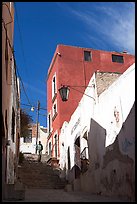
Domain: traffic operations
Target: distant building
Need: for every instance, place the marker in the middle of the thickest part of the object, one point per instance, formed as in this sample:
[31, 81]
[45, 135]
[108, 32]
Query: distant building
[74, 66]
[28, 143]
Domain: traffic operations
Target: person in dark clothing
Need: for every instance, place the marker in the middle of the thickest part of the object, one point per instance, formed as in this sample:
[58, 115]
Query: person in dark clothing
[39, 148]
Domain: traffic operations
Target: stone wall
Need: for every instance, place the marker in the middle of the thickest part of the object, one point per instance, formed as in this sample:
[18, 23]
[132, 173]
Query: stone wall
[104, 80]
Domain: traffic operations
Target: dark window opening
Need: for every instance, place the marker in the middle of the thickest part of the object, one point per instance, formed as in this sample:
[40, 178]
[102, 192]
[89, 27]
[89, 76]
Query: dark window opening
[54, 85]
[6, 56]
[3, 135]
[56, 151]
[54, 107]
[54, 111]
[77, 159]
[87, 56]
[77, 142]
[49, 123]
[6, 124]
[28, 138]
[68, 158]
[117, 58]
[13, 125]
[50, 148]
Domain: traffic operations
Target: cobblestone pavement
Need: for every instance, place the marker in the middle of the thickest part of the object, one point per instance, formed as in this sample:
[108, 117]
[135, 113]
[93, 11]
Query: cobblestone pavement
[59, 195]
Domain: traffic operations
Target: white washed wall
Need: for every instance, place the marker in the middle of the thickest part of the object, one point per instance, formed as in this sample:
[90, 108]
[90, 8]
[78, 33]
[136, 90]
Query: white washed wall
[43, 139]
[78, 124]
[31, 147]
[28, 147]
[121, 94]
[63, 146]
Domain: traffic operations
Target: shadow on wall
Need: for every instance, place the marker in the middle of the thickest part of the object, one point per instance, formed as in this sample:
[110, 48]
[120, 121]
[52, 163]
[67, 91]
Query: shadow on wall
[90, 180]
[112, 169]
[118, 170]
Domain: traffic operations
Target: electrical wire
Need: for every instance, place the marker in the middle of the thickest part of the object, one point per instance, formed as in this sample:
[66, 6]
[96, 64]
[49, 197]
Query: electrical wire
[4, 24]
[15, 65]
[23, 86]
[21, 41]
[83, 93]
[32, 106]
[16, 68]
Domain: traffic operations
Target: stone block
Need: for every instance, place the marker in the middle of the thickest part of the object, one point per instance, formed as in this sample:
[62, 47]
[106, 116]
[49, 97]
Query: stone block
[68, 188]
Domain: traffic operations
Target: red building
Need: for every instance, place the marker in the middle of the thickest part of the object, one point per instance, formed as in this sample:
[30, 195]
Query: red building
[74, 66]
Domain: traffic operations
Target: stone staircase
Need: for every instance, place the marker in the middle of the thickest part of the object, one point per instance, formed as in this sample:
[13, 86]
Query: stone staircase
[34, 174]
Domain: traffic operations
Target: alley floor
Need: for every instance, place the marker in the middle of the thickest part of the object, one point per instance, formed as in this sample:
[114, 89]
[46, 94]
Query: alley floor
[42, 184]
[60, 195]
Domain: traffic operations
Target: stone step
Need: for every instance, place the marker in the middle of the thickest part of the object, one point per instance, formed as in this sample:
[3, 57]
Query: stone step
[35, 174]
[57, 181]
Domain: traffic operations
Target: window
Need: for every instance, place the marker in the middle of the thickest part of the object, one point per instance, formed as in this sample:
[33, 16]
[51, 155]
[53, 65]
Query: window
[49, 123]
[13, 125]
[54, 85]
[28, 138]
[54, 110]
[54, 88]
[87, 56]
[117, 58]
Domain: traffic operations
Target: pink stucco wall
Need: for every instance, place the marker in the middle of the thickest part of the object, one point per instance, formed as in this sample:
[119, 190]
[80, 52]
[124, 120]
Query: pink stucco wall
[71, 69]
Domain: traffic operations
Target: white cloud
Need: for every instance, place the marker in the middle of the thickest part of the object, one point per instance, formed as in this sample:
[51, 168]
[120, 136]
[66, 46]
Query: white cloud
[114, 21]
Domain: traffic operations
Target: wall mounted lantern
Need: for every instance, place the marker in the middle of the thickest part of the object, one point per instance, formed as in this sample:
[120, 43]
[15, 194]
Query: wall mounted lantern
[64, 91]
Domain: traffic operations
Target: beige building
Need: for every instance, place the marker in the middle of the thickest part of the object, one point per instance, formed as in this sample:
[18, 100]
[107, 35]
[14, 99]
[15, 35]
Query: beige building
[10, 104]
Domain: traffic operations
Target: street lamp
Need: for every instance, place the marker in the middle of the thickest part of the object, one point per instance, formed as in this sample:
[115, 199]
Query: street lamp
[38, 107]
[32, 109]
[37, 121]
[64, 91]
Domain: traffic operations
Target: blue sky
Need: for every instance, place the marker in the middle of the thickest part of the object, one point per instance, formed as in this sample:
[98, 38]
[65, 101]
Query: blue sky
[40, 26]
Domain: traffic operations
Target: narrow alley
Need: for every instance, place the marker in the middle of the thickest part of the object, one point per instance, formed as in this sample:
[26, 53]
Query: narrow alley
[68, 102]
[42, 183]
